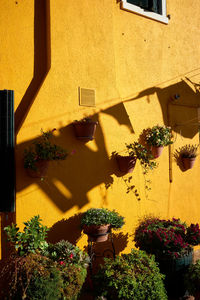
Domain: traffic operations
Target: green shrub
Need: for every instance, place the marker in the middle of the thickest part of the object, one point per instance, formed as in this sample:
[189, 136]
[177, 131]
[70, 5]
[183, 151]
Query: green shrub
[130, 276]
[192, 278]
[72, 264]
[32, 277]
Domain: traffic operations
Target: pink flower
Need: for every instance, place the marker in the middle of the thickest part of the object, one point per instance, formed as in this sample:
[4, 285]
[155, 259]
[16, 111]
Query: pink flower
[71, 255]
[73, 152]
[62, 263]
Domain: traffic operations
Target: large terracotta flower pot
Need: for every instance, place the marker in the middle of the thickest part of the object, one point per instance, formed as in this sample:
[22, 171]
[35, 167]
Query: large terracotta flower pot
[156, 151]
[126, 164]
[97, 233]
[188, 162]
[85, 130]
[41, 169]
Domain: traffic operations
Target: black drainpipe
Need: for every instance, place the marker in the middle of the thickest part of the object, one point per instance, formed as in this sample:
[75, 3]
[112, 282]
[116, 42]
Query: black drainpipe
[7, 157]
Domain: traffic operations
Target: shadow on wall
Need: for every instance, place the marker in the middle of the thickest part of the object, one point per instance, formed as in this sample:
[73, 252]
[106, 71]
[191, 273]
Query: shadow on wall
[69, 181]
[181, 114]
[42, 59]
[66, 229]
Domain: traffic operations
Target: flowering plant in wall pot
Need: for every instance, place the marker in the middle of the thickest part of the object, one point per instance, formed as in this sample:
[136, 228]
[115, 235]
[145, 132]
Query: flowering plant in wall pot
[38, 155]
[97, 223]
[158, 137]
[188, 154]
[85, 129]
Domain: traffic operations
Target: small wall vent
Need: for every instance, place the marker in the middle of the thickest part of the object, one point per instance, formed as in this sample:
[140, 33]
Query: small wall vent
[86, 97]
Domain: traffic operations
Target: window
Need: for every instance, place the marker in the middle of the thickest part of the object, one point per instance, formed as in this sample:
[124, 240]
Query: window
[154, 9]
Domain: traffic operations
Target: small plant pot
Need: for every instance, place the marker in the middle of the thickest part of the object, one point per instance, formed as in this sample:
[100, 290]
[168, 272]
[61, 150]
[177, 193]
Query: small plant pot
[156, 151]
[188, 162]
[97, 233]
[85, 130]
[41, 169]
[126, 164]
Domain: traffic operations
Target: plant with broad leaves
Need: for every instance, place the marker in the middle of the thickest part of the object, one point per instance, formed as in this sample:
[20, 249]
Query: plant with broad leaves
[31, 239]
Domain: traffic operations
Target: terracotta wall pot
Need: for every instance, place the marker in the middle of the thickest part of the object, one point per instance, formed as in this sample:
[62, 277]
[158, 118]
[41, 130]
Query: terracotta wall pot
[156, 151]
[41, 171]
[85, 130]
[126, 164]
[97, 233]
[188, 162]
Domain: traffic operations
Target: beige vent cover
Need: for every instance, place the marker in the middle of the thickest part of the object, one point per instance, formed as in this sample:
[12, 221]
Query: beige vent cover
[86, 97]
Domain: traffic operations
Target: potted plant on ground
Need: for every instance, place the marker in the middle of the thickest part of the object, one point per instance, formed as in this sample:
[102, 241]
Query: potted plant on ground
[171, 242]
[130, 276]
[188, 154]
[85, 129]
[158, 137]
[97, 223]
[37, 156]
[192, 280]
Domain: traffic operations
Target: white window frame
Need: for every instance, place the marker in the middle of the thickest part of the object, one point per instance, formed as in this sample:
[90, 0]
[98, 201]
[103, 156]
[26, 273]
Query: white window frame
[152, 15]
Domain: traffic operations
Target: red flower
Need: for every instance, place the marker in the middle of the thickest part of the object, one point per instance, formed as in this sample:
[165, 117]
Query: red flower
[71, 255]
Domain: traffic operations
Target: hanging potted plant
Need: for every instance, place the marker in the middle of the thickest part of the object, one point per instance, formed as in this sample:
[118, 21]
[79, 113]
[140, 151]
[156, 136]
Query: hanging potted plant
[136, 151]
[85, 129]
[98, 222]
[38, 155]
[126, 164]
[157, 138]
[188, 154]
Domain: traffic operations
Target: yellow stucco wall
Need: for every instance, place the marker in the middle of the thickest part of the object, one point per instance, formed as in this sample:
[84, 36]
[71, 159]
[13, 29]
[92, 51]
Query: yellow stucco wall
[135, 65]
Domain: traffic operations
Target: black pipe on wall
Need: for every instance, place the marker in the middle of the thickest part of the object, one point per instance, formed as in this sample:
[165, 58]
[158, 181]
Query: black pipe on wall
[7, 157]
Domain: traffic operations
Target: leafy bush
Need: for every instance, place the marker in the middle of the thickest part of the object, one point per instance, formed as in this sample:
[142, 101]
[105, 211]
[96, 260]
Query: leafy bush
[31, 239]
[66, 253]
[72, 264]
[166, 238]
[32, 277]
[102, 216]
[192, 278]
[130, 276]
[39, 270]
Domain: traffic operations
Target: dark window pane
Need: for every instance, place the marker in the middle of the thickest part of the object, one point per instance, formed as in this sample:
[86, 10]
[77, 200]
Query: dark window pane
[150, 5]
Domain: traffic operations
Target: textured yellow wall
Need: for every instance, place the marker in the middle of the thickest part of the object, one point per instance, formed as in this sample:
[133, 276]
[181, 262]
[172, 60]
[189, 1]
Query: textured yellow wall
[135, 65]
